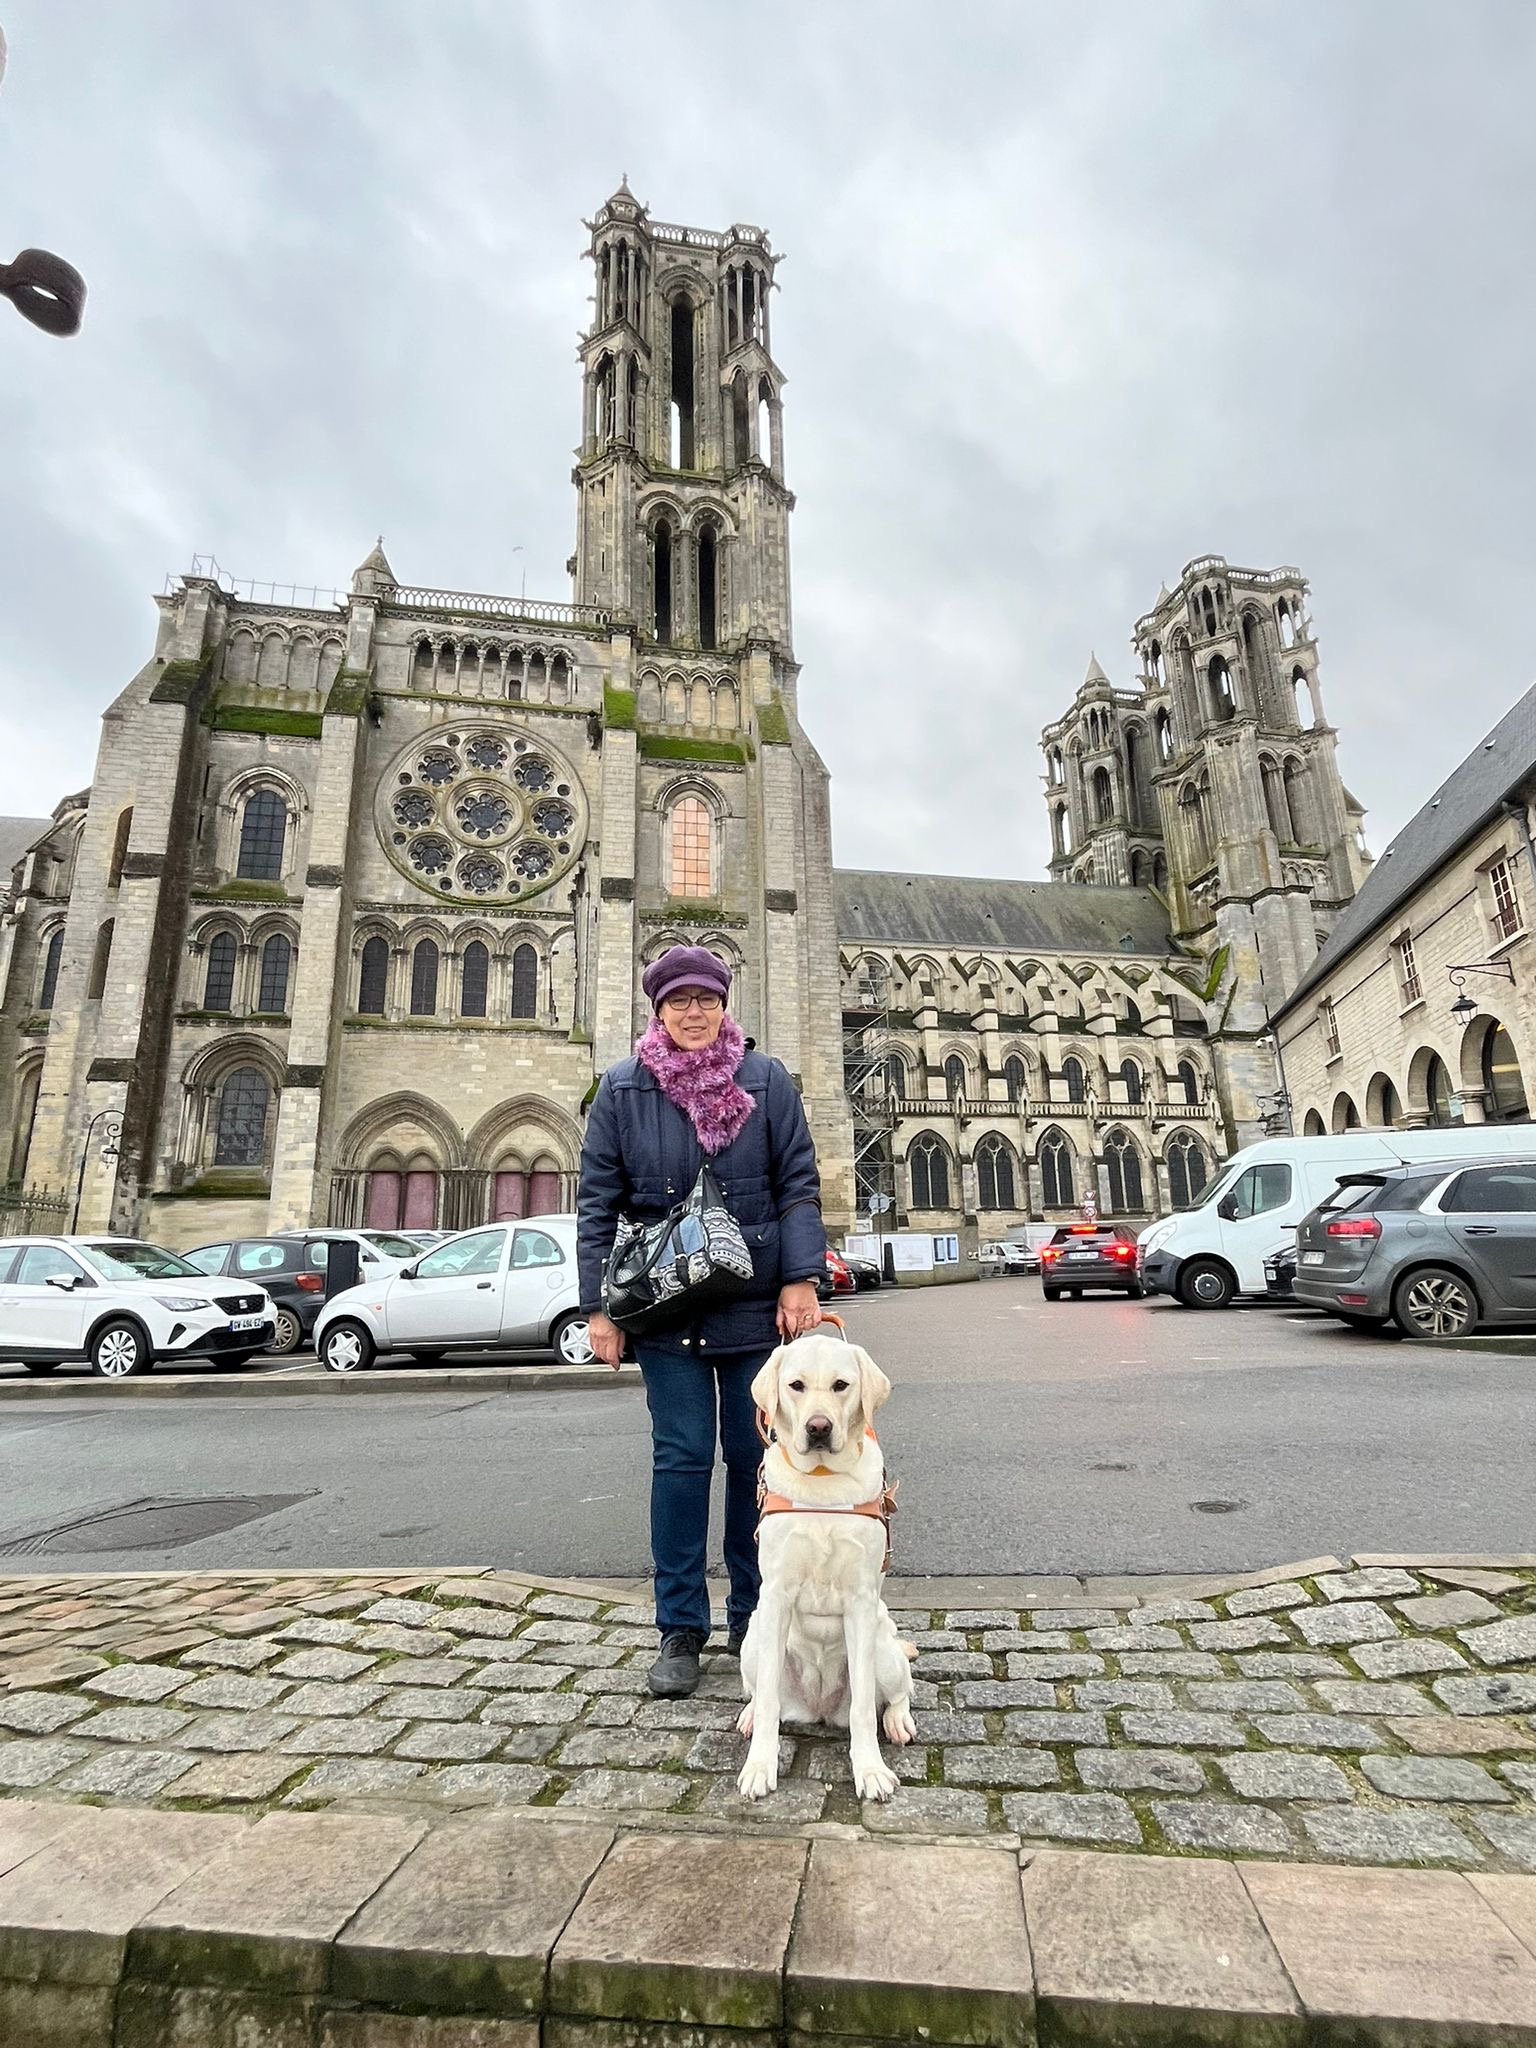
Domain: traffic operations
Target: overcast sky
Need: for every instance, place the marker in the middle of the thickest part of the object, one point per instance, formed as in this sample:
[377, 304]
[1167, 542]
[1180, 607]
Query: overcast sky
[1073, 295]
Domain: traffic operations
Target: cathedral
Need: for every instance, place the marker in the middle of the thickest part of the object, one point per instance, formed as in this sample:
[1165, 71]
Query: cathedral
[354, 910]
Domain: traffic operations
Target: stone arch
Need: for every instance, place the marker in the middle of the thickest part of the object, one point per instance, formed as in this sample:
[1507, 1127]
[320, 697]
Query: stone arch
[1345, 1116]
[1313, 1125]
[1491, 1069]
[511, 1121]
[1430, 1086]
[384, 1120]
[272, 659]
[1383, 1103]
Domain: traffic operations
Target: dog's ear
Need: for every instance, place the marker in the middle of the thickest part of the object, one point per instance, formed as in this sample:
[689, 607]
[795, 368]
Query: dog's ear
[765, 1388]
[874, 1387]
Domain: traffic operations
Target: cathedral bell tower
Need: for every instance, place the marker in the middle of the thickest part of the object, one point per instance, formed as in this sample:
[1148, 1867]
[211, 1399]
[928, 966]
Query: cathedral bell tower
[684, 515]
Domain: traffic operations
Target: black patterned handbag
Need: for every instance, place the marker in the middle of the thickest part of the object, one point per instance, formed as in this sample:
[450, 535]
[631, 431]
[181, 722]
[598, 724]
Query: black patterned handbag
[693, 1259]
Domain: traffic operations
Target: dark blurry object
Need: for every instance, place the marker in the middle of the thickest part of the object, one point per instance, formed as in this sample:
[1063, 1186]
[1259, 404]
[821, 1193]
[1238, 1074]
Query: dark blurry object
[43, 288]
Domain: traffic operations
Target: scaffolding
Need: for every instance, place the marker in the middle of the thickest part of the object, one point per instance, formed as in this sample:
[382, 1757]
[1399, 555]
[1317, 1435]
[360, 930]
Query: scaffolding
[866, 1080]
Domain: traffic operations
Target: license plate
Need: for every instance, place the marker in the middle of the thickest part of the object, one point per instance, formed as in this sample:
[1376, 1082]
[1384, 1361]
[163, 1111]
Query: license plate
[1313, 1258]
[1082, 1255]
[246, 1322]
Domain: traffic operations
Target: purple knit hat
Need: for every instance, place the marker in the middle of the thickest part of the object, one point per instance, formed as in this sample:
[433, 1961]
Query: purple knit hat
[685, 967]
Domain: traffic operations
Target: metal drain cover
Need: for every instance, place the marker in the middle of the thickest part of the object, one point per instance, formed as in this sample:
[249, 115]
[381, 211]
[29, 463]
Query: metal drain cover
[155, 1524]
[1218, 1507]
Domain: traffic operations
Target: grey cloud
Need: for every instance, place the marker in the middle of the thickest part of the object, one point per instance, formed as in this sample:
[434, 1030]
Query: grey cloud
[1072, 296]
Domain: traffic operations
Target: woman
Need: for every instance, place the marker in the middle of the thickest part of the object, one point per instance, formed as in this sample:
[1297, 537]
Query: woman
[694, 1090]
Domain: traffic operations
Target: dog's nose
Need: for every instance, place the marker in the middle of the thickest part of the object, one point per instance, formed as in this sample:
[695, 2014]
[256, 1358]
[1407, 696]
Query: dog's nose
[818, 1430]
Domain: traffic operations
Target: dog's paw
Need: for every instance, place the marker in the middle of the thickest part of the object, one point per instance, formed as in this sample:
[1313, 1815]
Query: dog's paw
[744, 1720]
[908, 1650]
[760, 1776]
[874, 1781]
[898, 1723]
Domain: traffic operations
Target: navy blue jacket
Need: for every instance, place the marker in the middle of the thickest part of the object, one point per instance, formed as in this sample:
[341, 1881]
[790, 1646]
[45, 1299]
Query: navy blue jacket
[641, 1157]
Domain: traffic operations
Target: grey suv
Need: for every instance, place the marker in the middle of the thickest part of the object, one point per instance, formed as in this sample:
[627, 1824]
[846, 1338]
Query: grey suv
[1437, 1250]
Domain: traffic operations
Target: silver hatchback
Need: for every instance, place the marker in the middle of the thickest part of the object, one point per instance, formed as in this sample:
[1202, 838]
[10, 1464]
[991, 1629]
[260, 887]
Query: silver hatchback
[1436, 1250]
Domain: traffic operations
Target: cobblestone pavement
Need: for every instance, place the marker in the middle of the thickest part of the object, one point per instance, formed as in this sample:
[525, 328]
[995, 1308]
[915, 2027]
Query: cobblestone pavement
[1378, 1715]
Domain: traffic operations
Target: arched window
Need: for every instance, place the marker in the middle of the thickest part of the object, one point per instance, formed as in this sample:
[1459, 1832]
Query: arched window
[219, 982]
[955, 1079]
[101, 960]
[1345, 1115]
[1061, 830]
[994, 1174]
[1314, 1126]
[1186, 1169]
[1055, 1156]
[1219, 679]
[1054, 770]
[1287, 624]
[1073, 1073]
[263, 832]
[709, 585]
[276, 964]
[1389, 1110]
[1130, 1074]
[119, 847]
[692, 849]
[1155, 663]
[1303, 697]
[1138, 868]
[525, 981]
[241, 1131]
[1208, 610]
[1103, 796]
[681, 445]
[373, 978]
[765, 422]
[1164, 729]
[1503, 1083]
[1189, 1080]
[1192, 820]
[1159, 871]
[1276, 808]
[27, 1088]
[1298, 804]
[1123, 1164]
[51, 961]
[475, 979]
[661, 582]
[424, 962]
[929, 1163]
[1131, 1019]
[1016, 1078]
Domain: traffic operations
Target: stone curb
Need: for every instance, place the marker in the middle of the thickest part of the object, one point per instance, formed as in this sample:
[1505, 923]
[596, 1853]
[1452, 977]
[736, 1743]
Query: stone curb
[126, 1929]
[531, 1379]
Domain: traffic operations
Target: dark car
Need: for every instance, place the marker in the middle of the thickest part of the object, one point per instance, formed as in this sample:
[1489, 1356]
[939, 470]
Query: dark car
[291, 1269]
[866, 1274]
[1437, 1250]
[837, 1278]
[1083, 1255]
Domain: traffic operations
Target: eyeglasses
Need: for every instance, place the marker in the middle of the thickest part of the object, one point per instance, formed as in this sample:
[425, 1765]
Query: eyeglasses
[680, 1005]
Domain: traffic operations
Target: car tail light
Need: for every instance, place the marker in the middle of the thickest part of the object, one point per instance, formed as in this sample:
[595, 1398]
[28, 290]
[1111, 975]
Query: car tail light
[1050, 1251]
[310, 1283]
[1124, 1251]
[1083, 1229]
[1354, 1226]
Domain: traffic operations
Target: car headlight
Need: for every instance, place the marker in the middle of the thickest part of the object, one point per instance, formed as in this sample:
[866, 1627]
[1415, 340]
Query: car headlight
[181, 1304]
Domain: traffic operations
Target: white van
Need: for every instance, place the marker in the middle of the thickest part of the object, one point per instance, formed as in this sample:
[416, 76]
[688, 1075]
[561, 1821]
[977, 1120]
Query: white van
[1208, 1255]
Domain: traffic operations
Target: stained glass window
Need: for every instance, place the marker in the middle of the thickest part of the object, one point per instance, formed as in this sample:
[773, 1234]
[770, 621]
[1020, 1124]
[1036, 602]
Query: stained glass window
[692, 834]
[276, 960]
[424, 979]
[263, 830]
[241, 1138]
[525, 982]
[219, 986]
[477, 976]
[373, 978]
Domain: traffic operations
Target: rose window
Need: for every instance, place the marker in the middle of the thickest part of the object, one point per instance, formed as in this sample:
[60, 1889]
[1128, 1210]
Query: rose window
[484, 813]
[481, 813]
[482, 875]
[486, 754]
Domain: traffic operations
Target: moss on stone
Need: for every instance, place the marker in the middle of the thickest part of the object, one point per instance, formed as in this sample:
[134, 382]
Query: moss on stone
[251, 892]
[181, 681]
[260, 718]
[618, 709]
[773, 722]
[665, 747]
[349, 694]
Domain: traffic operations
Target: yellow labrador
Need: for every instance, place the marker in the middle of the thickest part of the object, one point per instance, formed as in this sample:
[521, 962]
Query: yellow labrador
[822, 1645]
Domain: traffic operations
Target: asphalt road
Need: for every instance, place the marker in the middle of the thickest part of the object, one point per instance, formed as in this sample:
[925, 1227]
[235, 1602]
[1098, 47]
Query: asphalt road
[1091, 1437]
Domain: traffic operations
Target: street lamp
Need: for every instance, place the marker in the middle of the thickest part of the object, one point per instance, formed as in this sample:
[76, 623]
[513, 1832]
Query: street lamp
[1464, 1008]
[43, 288]
[109, 1138]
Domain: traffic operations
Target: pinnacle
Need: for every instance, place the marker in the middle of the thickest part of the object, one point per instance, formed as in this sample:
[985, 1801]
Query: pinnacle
[1095, 673]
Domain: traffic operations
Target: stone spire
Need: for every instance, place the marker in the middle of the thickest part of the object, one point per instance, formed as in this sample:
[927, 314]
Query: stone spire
[373, 575]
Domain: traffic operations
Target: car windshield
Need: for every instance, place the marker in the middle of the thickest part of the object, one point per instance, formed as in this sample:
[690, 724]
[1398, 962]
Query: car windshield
[1213, 1190]
[1086, 1236]
[392, 1247]
[137, 1262]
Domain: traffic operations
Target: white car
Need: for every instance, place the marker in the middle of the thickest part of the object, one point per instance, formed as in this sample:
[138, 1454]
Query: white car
[121, 1304]
[379, 1252]
[508, 1286]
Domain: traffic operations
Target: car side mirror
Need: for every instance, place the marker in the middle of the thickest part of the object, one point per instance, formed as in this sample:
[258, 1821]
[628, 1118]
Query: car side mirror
[65, 1282]
[1226, 1209]
[408, 1273]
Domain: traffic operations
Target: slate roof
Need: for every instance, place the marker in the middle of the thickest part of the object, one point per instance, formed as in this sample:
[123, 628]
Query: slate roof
[1464, 803]
[966, 910]
[17, 836]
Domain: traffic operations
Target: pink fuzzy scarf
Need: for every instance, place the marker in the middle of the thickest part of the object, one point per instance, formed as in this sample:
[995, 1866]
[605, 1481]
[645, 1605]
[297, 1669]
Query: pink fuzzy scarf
[701, 1084]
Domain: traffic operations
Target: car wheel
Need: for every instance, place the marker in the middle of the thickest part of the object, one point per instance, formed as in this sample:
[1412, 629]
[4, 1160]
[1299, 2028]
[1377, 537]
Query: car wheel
[1051, 1293]
[1206, 1283]
[287, 1333]
[570, 1342]
[1076, 1293]
[41, 1367]
[346, 1347]
[120, 1350]
[1135, 1291]
[1434, 1302]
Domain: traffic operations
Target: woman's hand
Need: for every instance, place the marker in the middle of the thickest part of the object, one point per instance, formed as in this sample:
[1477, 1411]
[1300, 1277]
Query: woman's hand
[606, 1339]
[799, 1309]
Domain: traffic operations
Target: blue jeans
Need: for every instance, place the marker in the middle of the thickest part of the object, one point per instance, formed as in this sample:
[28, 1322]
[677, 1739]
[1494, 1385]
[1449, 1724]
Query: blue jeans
[690, 1399]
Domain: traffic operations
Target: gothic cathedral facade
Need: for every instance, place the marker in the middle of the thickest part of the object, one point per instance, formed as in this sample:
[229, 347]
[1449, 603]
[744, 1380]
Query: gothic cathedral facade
[355, 908]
